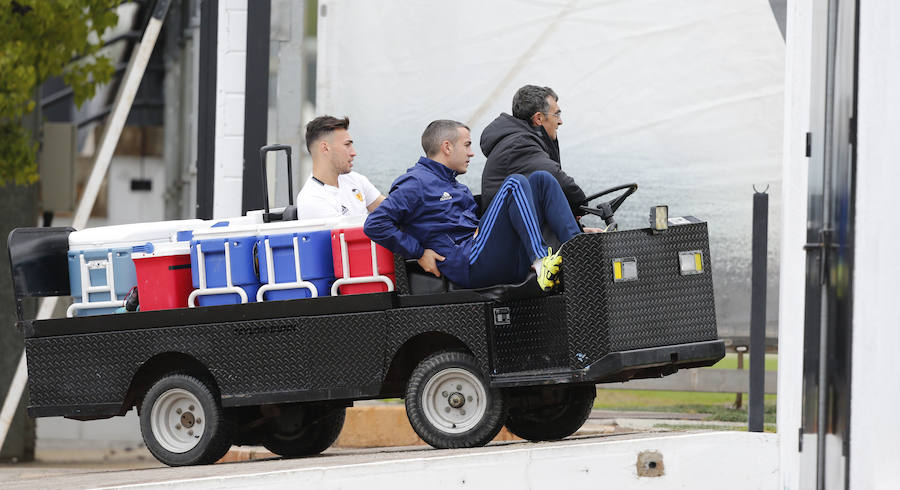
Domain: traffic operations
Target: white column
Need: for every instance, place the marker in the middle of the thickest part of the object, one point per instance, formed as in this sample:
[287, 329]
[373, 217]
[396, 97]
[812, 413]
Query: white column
[793, 235]
[231, 63]
[875, 393]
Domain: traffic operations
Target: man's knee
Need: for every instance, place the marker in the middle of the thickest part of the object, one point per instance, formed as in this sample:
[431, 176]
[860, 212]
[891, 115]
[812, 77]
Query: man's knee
[541, 176]
[519, 178]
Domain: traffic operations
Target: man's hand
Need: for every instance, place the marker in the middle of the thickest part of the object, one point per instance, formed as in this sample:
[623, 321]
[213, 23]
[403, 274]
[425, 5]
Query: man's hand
[594, 230]
[428, 261]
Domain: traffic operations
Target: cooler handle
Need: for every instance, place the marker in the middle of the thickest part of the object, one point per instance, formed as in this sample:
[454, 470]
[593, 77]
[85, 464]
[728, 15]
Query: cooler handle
[345, 263]
[229, 288]
[270, 270]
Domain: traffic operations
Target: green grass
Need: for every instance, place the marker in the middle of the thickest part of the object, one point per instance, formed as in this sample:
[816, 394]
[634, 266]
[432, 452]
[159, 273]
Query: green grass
[766, 427]
[716, 405]
[730, 362]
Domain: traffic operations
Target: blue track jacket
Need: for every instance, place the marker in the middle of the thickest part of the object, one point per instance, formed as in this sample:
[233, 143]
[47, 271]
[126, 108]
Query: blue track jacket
[428, 208]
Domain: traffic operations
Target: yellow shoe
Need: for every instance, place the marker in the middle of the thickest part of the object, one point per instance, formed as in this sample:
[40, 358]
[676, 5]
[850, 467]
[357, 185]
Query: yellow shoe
[548, 270]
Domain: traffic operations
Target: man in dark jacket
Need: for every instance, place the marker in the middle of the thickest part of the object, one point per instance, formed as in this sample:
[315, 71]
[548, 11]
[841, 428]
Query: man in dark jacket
[524, 143]
[431, 217]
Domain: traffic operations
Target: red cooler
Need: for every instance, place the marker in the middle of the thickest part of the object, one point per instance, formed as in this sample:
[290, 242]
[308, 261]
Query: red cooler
[163, 275]
[354, 255]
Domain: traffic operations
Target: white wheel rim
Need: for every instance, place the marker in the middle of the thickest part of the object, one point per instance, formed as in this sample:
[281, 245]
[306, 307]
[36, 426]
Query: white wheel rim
[441, 400]
[177, 420]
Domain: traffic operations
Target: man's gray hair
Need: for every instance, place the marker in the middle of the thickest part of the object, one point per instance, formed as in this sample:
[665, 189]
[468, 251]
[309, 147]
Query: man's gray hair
[531, 99]
[438, 132]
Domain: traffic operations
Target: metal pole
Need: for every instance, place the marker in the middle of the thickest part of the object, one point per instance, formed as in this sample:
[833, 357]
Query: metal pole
[758, 311]
[256, 107]
[739, 396]
[124, 99]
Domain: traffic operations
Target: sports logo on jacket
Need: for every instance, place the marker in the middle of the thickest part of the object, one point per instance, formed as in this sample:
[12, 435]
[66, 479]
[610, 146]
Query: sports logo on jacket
[446, 196]
[358, 194]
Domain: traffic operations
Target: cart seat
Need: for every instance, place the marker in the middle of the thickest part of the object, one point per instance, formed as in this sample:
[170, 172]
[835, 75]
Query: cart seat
[417, 287]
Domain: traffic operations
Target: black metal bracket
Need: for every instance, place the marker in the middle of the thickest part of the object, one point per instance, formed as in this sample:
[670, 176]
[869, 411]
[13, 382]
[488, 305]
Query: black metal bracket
[826, 243]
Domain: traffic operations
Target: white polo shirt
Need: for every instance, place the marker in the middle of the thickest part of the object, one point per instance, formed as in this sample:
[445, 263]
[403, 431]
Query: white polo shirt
[351, 197]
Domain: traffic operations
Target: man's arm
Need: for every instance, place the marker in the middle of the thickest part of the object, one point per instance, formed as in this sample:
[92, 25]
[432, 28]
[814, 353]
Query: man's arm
[530, 158]
[573, 191]
[384, 223]
[374, 197]
[377, 202]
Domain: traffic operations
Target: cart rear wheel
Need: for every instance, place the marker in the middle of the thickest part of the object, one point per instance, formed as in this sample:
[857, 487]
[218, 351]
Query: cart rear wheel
[183, 423]
[552, 422]
[301, 431]
[449, 403]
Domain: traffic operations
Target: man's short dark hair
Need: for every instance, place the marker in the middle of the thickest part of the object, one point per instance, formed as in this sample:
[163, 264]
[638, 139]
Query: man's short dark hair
[437, 132]
[322, 126]
[530, 99]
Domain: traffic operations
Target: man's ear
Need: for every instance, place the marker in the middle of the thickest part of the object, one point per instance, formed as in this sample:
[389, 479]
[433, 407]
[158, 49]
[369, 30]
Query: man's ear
[323, 146]
[537, 119]
[446, 147]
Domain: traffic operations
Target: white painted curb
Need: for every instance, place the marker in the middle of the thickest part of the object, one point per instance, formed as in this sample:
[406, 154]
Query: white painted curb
[733, 460]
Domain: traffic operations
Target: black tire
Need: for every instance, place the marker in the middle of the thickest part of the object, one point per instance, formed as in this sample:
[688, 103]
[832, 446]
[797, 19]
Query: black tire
[443, 424]
[553, 422]
[174, 410]
[300, 431]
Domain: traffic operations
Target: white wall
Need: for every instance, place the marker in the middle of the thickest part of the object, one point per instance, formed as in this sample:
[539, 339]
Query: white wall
[286, 102]
[231, 65]
[56, 432]
[124, 205]
[684, 98]
[874, 431]
[793, 236]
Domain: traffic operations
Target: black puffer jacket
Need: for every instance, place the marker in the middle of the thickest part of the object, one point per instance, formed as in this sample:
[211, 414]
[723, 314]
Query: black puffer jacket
[513, 146]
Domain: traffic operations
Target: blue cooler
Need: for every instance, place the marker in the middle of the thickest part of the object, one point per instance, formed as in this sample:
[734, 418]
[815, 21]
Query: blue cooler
[217, 279]
[314, 264]
[106, 273]
[99, 262]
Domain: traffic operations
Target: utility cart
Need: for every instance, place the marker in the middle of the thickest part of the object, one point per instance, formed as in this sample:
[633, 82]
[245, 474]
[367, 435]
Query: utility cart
[631, 304]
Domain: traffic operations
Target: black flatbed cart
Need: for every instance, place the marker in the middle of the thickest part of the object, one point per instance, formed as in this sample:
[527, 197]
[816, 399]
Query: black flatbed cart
[632, 304]
[467, 361]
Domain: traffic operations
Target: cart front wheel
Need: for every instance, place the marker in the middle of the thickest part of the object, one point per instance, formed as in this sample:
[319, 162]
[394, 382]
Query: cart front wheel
[449, 403]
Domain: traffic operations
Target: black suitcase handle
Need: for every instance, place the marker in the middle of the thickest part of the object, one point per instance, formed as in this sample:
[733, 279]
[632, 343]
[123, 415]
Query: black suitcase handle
[265, 181]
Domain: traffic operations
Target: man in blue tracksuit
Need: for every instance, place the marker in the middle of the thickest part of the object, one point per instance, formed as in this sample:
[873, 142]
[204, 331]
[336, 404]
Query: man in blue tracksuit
[430, 216]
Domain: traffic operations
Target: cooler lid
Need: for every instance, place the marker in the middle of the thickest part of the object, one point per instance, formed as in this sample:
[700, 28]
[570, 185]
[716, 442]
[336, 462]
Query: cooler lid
[118, 236]
[227, 231]
[160, 249]
[228, 228]
[294, 226]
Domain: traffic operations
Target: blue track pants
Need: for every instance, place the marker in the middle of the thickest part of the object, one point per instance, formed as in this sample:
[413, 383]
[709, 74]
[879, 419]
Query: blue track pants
[509, 234]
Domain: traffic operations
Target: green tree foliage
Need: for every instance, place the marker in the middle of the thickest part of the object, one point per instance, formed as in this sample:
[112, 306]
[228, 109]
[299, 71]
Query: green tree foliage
[38, 40]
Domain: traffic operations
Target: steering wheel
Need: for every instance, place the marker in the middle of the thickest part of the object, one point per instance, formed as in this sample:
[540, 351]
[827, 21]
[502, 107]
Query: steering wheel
[606, 209]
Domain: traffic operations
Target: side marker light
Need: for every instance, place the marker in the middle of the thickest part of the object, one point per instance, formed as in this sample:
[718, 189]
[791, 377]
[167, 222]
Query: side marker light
[624, 269]
[690, 262]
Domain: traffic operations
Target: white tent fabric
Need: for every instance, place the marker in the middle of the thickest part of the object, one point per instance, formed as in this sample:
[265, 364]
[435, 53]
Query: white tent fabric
[685, 98]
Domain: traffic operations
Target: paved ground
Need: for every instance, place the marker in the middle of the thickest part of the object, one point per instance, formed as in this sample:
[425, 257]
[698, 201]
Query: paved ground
[73, 467]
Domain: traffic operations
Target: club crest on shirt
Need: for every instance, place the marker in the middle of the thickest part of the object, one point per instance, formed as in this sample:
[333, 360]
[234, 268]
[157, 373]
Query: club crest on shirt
[446, 196]
[358, 194]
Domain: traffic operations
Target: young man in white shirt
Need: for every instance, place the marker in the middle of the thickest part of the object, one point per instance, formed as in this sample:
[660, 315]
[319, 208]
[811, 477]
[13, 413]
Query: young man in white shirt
[333, 190]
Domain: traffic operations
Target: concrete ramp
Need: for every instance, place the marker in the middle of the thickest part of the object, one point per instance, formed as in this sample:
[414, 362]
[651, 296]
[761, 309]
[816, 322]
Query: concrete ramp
[734, 460]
